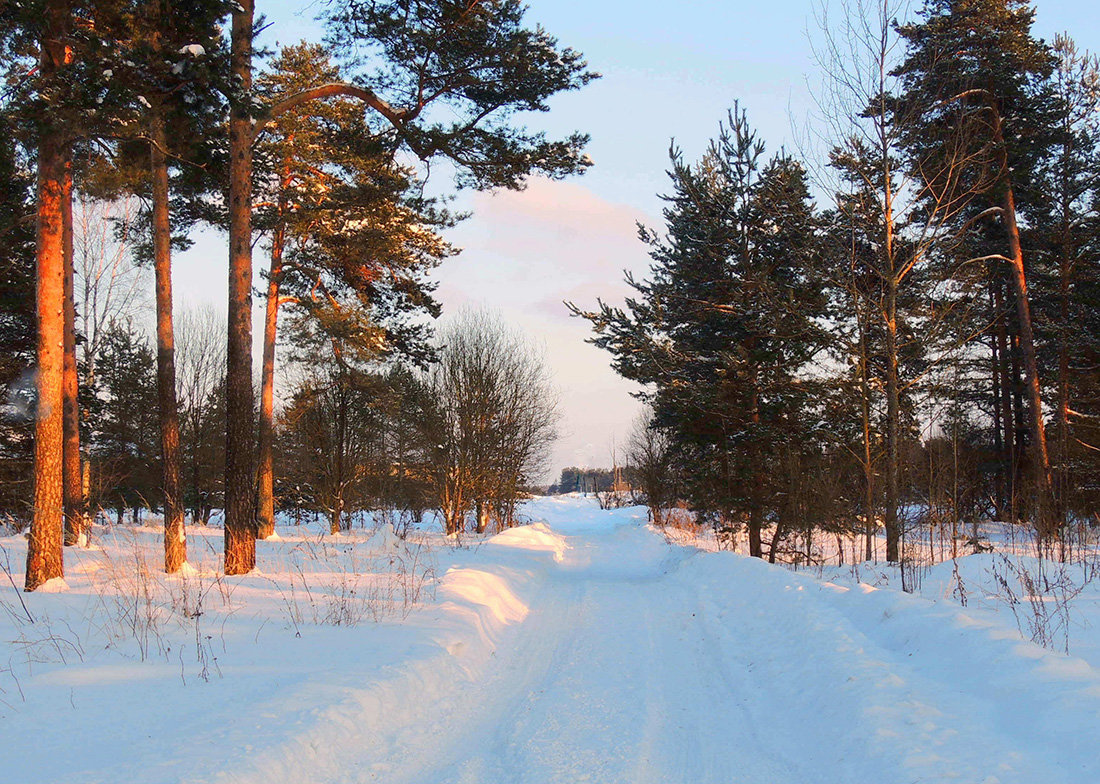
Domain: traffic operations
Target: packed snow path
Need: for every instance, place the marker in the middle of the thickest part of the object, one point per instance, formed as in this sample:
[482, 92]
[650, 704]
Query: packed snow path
[583, 648]
[631, 660]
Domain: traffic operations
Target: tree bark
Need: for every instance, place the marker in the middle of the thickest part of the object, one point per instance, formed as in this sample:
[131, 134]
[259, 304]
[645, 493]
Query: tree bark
[175, 541]
[44, 547]
[1040, 458]
[1018, 277]
[72, 480]
[482, 509]
[240, 522]
[265, 473]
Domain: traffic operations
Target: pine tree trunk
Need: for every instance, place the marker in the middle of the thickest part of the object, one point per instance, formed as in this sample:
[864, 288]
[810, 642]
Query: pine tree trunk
[756, 546]
[265, 478]
[756, 513]
[1040, 459]
[240, 523]
[44, 547]
[73, 485]
[175, 541]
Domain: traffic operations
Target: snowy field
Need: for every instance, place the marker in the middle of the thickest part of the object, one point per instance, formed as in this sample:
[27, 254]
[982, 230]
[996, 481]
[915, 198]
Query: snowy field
[585, 647]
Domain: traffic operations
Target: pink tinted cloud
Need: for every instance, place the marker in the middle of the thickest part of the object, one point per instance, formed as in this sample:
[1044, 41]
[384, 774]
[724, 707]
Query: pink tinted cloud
[535, 248]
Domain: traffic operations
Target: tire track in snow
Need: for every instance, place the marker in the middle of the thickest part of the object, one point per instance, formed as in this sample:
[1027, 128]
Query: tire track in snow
[640, 662]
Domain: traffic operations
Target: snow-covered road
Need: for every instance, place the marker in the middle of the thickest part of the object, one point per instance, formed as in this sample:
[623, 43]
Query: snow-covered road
[587, 648]
[638, 661]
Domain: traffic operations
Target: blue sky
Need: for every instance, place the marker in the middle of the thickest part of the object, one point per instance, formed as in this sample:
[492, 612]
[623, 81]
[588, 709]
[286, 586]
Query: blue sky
[669, 71]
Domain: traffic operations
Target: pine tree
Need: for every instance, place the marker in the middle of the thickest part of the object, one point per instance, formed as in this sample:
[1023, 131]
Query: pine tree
[351, 237]
[1065, 242]
[727, 322]
[478, 61]
[41, 32]
[169, 76]
[979, 79]
[123, 431]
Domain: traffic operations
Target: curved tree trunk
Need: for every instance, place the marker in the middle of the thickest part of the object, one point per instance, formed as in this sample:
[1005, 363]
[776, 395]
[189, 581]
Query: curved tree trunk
[175, 541]
[1040, 459]
[240, 521]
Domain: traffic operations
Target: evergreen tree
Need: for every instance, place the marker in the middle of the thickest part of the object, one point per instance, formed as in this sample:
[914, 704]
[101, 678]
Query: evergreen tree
[1065, 241]
[727, 322]
[17, 326]
[478, 64]
[173, 68]
[123, 431]
[350, 237]
[979, 82]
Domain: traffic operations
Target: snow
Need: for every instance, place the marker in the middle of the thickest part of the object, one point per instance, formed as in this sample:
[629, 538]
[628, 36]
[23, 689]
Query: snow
[584, 647]
[193, 50]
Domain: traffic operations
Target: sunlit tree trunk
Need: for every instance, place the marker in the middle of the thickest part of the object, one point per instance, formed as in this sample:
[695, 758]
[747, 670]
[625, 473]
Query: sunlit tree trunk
[44, 547]
[265, 472]
[175, 542]
[240, 522]
[1040, 458]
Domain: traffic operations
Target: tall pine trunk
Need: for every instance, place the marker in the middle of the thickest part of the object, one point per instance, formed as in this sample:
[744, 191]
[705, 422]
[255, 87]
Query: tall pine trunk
[72, 479]
[265, 472]
[240, 522]
[175, 542]
[1040, 458]
[44, 547]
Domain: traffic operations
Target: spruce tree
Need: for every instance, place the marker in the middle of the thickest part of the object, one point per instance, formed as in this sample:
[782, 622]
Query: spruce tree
[123, 430]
